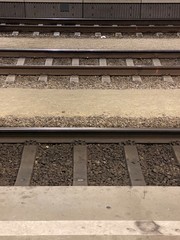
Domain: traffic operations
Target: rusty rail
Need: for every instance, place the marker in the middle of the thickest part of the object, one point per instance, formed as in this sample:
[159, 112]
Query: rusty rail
[89, 29]
[91, 70]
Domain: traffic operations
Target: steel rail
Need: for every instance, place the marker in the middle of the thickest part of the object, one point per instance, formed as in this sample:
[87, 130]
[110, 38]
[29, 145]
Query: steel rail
[90, 70]
[90, 135]
[92, 53]
[89, 29]
[90, 21]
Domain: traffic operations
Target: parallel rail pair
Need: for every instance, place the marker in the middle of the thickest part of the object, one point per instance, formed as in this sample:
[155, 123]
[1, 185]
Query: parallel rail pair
[89, 70]
[89, 25]
[82, 136]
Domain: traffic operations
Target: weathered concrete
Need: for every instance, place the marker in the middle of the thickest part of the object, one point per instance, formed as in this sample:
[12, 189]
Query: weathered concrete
[55, 102]
[118, 212]
[90, 43]
[89, 203]
[92, 238]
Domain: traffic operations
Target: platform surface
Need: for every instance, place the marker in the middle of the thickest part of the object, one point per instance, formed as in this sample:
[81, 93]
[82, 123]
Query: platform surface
[108, 212]
[136, 103]
[91, 43]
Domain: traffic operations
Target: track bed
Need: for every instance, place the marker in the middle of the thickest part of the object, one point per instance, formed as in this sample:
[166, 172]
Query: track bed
[90, 157]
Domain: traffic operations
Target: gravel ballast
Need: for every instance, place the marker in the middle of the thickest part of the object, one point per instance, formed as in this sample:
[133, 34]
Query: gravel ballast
[2, 81]
[62, 61]
[144, 61]
[89, 35]
[10, 158]
[106, 165]
[88, 61]
[170, 62]
[27, 81]
[8, 61]
[159, 166]
[97, 121]
[53, 165]
[35, 61]
[91, 82]
[116, 62]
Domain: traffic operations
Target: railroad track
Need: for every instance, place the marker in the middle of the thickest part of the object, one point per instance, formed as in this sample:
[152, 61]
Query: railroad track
[91, 70]
[89, 25]
[67, 156]
[91, 21]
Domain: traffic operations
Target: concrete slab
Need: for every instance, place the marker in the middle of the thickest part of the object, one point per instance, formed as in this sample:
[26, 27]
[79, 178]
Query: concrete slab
[137, 79]
[91, 43]
[77, 34]
[147, 103]
[157, 62]
[118, 35]
[43, 78]
[103, 62]
[113, 213]
[130, 62]
[10, 79]
[168, 79]
[35, 34]
[75, 62]
[90, 228]
[49, 62]
[106, 79]
[74, 79]
[56, 34]
[139, 35]
[91, 238]
[20, 61]
[15, 33]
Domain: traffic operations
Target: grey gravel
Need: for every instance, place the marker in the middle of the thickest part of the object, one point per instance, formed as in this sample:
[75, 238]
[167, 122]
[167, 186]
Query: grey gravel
[92, 35]
[35, 61]
[148, 82]
[67, 35]
[115, 61]
[62, 61]
[144, 61]
[88, 61]
[159, 165]
[95, 121]
[106, 165]
[53, 165]
[2, 81]
[88, 35]
[6, 34]
[59, 82]
[177, 81]
[27, 82]
[8, 61]
[10, 158]
[46, 35]
[91, 82]
[151, 35]
[170, 62]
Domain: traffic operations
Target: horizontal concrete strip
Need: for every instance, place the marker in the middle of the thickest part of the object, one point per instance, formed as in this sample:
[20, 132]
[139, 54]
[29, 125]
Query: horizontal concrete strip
[99, 237]
[90, 43]
[89, 228]
[69, 103]
[89, 203]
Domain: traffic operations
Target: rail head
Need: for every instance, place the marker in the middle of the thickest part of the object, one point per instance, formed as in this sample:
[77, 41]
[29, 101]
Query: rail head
[89, 135]
[93, 53]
